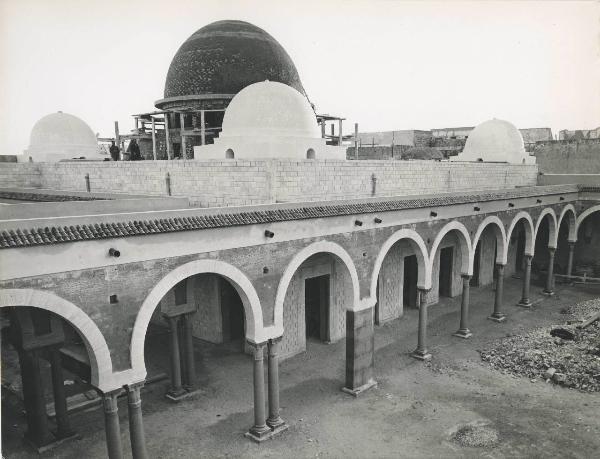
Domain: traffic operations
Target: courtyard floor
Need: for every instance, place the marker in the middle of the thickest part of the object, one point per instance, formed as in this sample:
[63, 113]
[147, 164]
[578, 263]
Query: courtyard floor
[412, 412]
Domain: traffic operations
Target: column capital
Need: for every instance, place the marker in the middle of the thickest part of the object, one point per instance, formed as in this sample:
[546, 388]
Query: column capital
[551, 250]
[466, 276]
[135, 386]
[528, 257]
[275, 340]
[572, 243]
[424, 290]
[500, 265]
[109, 400]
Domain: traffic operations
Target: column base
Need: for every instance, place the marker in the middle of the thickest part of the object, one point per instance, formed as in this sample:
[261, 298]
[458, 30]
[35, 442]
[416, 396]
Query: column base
[259, 434]
[420, 355]
[525, 304]
[359, 390]
[176, 396]
[548, 292]
[52, 444]
[497, 317]
[464, 334]
[277, 425]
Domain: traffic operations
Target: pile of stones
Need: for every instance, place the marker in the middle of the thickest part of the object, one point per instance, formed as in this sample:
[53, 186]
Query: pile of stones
[568, 355]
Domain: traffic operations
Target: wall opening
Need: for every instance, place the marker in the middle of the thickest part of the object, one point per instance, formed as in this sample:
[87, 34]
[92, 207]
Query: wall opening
[232, 313]
[229, 154]
[446, 271]
[316, 307]
[475, 280]
[411, 276]
[310, 154]
[520, 258]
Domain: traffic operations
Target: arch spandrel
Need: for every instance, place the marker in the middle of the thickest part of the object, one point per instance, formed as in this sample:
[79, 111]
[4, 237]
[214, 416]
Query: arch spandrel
[465, 244]
[416, 241]
[255, 331]
[325, 247]
[102, 375]
[500, 233]
[529, 231]
[553, 226]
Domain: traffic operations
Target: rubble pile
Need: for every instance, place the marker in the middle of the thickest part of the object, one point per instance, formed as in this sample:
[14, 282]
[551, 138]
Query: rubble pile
[568, 355]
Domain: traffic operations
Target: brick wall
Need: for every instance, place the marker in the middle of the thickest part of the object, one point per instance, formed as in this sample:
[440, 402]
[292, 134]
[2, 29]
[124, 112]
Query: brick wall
[239, 182]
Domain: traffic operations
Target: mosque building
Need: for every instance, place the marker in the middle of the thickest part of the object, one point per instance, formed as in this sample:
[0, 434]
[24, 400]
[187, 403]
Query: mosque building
[209, 69]
[268, 240]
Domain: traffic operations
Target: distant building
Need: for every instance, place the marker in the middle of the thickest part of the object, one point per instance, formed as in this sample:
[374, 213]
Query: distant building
[533, 135]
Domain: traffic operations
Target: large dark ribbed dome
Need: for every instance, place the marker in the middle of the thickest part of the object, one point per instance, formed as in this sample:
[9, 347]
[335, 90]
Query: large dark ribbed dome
[226, 56]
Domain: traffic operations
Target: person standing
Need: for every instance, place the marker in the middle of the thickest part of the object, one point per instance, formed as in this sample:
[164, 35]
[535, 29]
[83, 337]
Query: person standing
[114, 151]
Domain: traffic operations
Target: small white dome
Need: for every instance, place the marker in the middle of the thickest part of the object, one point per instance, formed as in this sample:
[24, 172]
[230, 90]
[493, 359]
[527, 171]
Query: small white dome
[61, 136]
[269, 109]
[495, 141]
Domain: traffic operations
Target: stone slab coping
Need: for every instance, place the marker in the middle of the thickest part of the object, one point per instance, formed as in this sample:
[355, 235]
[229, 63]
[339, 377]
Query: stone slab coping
[23, 233]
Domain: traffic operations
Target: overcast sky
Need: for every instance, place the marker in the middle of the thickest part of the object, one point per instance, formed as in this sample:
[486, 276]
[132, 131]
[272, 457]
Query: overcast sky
[384, 64]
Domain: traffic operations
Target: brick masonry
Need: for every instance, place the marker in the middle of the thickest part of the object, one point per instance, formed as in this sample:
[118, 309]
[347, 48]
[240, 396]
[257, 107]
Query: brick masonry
[238, 182]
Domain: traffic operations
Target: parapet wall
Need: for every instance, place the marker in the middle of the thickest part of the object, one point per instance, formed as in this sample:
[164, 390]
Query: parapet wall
[237, 182]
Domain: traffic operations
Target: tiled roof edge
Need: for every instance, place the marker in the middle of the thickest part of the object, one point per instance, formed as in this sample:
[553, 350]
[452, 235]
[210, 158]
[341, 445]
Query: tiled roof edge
[61, 234]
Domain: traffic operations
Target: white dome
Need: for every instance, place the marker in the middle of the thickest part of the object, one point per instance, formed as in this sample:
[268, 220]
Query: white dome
[495, 141]
[269, 109]
[61, 136]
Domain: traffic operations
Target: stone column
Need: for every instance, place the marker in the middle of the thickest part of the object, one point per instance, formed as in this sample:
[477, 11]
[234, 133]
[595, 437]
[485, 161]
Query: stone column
[38, 432]
[360, 348]
[274, 420]
[525, 302]
[463, 330]
[498, 315]
[60, 400]
[111, 424]
[549, 290]
[259, 431]
[190, 362]
[136, 423]
[570, 262]
[340, 137]
[421, 352]
[176, 389]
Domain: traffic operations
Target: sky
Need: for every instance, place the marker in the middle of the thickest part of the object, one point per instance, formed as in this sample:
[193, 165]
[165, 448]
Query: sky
[381, 63]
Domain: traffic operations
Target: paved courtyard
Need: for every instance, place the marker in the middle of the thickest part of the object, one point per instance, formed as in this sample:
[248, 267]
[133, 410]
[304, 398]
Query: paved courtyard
[412, 412]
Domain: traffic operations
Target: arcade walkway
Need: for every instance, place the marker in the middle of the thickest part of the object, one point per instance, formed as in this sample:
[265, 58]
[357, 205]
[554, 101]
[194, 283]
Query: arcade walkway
[408, 415]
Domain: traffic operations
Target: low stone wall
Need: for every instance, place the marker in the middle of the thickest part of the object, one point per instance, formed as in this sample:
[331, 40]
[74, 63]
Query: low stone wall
[238, 182]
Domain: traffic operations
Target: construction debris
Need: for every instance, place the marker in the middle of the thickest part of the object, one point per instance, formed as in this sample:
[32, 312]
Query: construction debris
[562, 354]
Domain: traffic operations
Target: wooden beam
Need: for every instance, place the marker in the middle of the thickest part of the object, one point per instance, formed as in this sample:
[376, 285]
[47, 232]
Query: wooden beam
[183, 145]
[153, 140]
[168, 137]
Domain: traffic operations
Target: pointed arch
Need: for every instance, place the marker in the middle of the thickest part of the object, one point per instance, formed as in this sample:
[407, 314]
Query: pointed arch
[500, 233]
[552, 227]
[585, 214]
[255, 331]
[294, 264]
[424, 271]
[99, 355]
[529, 231]
[464, 241]
[569, 212]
